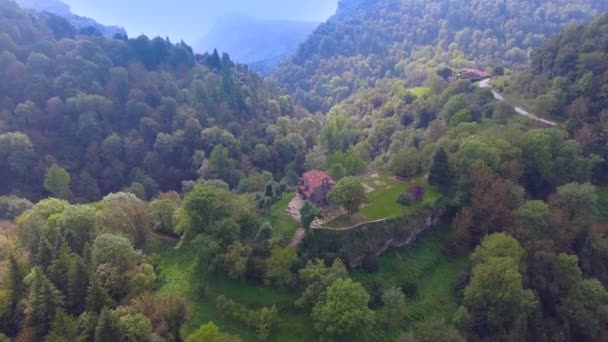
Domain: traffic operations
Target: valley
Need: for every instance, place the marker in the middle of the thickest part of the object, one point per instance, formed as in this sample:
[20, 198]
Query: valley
[421, 170]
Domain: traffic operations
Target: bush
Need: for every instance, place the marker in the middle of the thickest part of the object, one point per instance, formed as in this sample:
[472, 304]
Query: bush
[416, 193]
[261, 320]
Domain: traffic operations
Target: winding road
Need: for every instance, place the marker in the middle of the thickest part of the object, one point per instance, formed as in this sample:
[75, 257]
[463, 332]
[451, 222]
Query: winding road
[487, 83]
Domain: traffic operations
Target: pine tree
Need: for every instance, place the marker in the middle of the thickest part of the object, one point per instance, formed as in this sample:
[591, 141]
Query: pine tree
[16, 291]
[58, 270]
[106, 330]
[43, 301]
[44, 254]
[87, 254]
[97, 297]
[78, 283]
[64, 328]
[15, 285]
[441, 175]
[214, 61]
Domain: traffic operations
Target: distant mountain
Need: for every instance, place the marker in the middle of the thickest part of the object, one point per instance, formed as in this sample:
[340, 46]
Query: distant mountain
[370, 40]
[63, 10]
[262, 43]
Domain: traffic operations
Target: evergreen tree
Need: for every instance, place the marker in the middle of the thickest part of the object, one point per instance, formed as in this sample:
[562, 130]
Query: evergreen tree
[78, 283]
[16, 291]
[441, 175]
[106, 330]
[214, 61]
[43, 301]
[97, 297]
[64, 328]
[15, 282]
[44, 253]
[58, 270]
[87, 254]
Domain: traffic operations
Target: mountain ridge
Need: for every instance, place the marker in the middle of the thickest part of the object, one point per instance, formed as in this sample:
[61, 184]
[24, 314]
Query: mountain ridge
[250, 40]
[63, 10]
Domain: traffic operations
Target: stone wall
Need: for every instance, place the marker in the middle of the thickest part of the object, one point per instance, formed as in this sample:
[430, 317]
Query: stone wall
[380, 236]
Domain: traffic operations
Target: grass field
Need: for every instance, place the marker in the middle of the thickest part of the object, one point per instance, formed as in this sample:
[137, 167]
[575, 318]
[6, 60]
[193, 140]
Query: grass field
[423, 265]
[383, 200]
[176, 272]
[284, 226]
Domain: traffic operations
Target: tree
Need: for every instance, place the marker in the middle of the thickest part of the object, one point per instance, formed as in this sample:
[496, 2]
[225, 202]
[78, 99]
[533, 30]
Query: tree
[78, 283]
[436, 331]
[573, 210]
[495, 298]
[211, 333]
[43, 301]
[309, 213]
[585, 308]
[498, 245]
[342, 311]
[97, 297]
[135, 328]
[440, 174]
[349, 193]
[278, 266]
[236, 259]
[106, 329]
[532, 220]
[115, 250]
[57, 181]
[317, 278]
[124, 213]
[394, 311]
[267, 319]
[64, 328]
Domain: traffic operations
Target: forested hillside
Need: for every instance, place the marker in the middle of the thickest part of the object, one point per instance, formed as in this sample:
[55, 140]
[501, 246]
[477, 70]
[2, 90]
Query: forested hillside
[567, 80]
[151, 194]
[140, 113]
[370, 40]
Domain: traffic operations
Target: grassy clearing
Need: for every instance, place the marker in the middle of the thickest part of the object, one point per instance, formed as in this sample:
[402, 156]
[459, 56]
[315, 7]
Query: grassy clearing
[424, 265]
[176, 272]
[284, 226]
[383, 200]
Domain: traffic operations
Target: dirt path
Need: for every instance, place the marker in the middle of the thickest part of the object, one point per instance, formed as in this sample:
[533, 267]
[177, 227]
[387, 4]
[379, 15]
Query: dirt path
[487, 83]
[297, 237]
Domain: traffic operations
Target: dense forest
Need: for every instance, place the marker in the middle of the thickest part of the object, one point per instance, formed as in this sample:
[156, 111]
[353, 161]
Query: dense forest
[137, 113]
[370, 40]
[149, 194]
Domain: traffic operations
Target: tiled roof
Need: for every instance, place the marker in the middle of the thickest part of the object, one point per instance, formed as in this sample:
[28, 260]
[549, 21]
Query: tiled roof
[314, 178]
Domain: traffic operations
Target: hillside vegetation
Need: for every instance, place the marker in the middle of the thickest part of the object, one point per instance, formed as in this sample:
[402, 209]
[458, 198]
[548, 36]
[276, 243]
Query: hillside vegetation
[144, 188]
[370, 40]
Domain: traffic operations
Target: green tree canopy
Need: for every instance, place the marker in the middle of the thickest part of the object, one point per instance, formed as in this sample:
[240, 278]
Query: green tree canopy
[349, 194]
[342, 311]
[57, 181]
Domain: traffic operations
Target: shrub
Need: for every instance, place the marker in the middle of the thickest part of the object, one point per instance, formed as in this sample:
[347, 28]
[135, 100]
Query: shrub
[416, 193]
[261, 320]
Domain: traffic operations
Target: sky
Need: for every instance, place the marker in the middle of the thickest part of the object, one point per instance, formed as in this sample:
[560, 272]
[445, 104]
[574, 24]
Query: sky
[189, 20]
